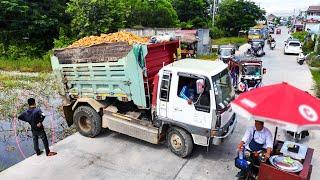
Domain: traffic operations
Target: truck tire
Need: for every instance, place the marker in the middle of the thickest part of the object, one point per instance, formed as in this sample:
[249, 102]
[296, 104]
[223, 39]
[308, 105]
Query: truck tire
[179, 142]
[87, 121]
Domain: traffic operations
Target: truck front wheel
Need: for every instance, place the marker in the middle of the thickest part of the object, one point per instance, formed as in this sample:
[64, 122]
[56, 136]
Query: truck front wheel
[87, 121]
[179, 142]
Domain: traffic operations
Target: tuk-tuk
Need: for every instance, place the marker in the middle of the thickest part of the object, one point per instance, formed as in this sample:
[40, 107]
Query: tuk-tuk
[278, 31]
[246, 73]
[257, 46]
[226, 52]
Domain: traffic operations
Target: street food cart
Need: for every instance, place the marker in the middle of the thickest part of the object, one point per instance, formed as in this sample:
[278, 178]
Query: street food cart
[288, 108]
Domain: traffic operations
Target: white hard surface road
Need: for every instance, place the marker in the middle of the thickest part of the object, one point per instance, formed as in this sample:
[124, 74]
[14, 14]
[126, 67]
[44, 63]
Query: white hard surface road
[116, 156]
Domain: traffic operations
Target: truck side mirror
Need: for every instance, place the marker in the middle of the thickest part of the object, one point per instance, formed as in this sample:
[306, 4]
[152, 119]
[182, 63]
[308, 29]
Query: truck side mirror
[200, 86]
[264, 71]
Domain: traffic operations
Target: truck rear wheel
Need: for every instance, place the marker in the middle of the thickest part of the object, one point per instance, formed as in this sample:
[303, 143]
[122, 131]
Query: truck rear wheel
[87, 121]
[180, 142]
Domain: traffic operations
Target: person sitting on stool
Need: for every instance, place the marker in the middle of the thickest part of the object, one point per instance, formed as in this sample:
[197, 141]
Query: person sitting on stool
[255, 139]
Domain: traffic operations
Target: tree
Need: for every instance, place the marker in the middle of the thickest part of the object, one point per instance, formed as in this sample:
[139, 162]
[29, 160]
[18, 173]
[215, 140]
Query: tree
[158, 13]
[234, 16]
[93, 17]
[194, 11]
[28, 27]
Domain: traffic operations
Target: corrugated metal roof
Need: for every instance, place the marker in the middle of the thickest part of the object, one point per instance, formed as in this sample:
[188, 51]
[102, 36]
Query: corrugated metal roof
[313, 9]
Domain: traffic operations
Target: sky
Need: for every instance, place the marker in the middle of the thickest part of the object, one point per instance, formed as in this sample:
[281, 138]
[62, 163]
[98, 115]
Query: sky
[285, 7]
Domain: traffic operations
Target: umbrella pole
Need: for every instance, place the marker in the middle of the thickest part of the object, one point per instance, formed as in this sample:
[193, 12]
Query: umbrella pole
[275, 135]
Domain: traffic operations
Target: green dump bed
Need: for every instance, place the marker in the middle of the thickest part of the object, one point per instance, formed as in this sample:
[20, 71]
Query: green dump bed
[113, 70]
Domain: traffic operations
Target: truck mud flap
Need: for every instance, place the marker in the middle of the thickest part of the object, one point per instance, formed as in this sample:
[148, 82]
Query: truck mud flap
[131, 128]
[68, 113]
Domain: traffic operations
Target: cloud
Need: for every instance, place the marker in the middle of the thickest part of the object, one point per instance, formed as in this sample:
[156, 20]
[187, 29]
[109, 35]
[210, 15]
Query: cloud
[272, 6]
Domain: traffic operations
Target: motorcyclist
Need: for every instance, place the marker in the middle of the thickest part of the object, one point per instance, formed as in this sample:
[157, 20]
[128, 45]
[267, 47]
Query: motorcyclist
[272, 41]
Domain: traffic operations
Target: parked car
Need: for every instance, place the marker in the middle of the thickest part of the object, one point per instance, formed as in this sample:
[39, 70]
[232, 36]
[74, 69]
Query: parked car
[292, 47]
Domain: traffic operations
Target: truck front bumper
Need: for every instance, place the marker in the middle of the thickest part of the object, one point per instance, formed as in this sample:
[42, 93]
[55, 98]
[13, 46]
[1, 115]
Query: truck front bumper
[218, 135]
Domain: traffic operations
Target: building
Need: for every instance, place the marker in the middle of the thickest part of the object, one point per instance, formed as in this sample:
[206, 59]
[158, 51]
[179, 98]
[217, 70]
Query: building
[271, 17]
[312, 20]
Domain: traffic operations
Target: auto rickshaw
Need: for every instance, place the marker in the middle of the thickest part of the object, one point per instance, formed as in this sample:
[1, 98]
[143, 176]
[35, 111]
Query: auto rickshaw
[257, 46]
[226, 52]
[246, 73]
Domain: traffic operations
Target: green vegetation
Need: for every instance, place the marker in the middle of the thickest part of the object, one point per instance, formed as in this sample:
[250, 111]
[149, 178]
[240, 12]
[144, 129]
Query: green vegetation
[192, 13]
[315, 63]
[300, 35]
[212, 57]
[236, 15]
[230, 40]
[29, 29]
[25, 64]
[316, 77]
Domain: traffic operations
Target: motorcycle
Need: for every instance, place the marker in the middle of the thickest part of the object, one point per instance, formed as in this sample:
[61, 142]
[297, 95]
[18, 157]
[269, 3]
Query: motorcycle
[272, 45]
[301, 58]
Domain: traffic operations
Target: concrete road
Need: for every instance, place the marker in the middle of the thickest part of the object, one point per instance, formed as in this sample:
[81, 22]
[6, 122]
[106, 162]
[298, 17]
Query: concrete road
[116, 156]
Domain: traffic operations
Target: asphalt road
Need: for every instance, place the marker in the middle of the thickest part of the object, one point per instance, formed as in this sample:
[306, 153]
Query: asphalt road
[116, 156]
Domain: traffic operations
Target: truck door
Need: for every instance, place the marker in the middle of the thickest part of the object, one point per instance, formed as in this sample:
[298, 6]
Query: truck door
[198, 112]
[164, 94]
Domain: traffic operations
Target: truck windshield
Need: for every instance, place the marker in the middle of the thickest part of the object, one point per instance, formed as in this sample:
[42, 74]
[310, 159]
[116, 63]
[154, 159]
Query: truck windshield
[254, 32]
[252, 70]
[223, 90]
[226, 52]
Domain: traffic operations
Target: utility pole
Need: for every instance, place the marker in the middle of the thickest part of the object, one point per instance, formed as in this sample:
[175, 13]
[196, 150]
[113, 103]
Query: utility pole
[214, 7]
[213, 11]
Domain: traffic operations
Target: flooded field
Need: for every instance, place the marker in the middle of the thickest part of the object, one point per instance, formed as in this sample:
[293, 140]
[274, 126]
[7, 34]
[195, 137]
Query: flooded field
[15, 136]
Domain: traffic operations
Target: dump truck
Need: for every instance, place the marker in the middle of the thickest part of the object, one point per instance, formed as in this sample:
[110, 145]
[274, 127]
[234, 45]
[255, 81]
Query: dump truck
[135, 90]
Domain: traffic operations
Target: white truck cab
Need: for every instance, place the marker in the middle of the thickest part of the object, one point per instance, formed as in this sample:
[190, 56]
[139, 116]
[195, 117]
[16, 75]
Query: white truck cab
[209, 118]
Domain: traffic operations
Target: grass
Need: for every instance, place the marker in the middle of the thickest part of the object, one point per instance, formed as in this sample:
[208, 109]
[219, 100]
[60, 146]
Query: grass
[316, 77]
[230, 40]
[315, 63]
[13, 80]
[208, 57]
[25, 64]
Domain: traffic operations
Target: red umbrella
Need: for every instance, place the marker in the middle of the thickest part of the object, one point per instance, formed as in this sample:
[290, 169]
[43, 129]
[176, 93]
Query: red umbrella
[282, 105]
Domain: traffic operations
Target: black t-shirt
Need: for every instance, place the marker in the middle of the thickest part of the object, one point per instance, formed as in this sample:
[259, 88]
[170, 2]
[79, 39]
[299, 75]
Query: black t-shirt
[33, 116]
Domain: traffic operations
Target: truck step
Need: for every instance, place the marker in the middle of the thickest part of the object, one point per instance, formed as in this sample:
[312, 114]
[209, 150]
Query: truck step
[131, 127]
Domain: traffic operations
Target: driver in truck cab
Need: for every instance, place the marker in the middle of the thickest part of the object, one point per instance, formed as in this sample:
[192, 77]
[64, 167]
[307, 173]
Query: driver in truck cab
[187, 92]
[256, 138]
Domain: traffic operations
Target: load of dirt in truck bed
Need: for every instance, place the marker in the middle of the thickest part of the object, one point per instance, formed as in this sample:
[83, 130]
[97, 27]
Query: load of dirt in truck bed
[105, 52]
[95, 49]
[110, 38]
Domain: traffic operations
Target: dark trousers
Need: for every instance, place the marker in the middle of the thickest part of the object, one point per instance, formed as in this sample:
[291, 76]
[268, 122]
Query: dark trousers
[43, 136]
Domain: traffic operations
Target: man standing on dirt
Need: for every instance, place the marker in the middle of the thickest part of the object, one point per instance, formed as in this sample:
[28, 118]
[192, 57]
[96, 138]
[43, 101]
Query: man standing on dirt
[35, 117]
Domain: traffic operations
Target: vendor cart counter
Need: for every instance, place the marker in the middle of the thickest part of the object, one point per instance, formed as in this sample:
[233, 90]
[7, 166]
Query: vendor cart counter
[269, 172]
